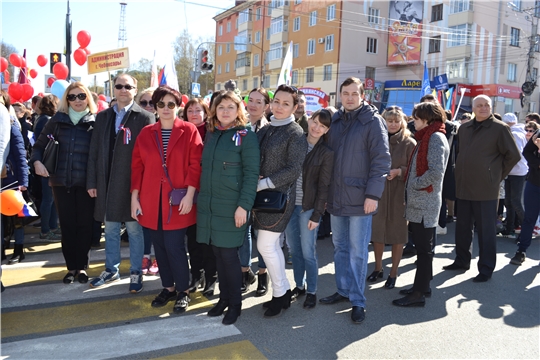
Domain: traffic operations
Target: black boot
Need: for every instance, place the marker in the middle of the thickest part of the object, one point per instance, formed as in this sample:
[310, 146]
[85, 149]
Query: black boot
[209, 286]
[277, 304]
[248, 278]
[219, 308]
[197, 282]
[262, 284]
[18, 255]
[232, 314]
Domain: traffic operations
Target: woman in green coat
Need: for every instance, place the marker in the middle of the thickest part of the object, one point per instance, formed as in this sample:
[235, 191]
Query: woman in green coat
[230, 172]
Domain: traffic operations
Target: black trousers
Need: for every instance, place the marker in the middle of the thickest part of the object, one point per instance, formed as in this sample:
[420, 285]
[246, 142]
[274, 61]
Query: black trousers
[230, 274]
[76, 213]
[423, 242]
[484, 213]
[201, 256]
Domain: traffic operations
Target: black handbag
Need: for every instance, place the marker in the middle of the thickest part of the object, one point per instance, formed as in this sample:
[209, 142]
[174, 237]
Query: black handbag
[270, 201]
[50, 155]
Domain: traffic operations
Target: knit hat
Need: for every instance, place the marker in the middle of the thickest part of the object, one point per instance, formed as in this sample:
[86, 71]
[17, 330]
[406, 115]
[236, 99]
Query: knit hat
[510, 118]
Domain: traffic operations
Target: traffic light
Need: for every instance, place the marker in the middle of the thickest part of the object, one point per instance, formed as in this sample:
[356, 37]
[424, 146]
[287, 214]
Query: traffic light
[202, 61]
[55, 58]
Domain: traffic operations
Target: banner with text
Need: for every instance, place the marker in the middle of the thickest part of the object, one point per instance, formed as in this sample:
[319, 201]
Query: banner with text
[108, 61]
[405, 32]
[315, 99]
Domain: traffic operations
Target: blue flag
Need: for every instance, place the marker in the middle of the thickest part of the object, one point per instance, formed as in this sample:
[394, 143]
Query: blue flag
[426, 88]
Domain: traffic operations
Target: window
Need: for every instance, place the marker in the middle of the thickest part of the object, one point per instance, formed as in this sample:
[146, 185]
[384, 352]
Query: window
[228, 26]
[220, 50]
[435, 44]
[537, 43]
[508, 105]
[266, 82]
[459, 35]
[242, 60]
[294, 78]
[295, 50]
[436, 12]
[227, 67]
[244, 16]
[236, 24]
[276, 25]
[257, 37]
[433, 72]
[517, 4]
[311, 46]
[537, 8]
[255, 82]
[258, 14]
[331, 12]
[296, 2]
[534, 74]
[457, 69]
[244, 84]
[512, 72]
[327, 73]
[218, 87]
[371, 45]
[228, 47]
[373, 16]
[313, 18]
[457, 6]
[514, 37]
[310, 74]
[220, 30]
[296, 24]
[267, 33]
[329, 43]
[370, 72]
[276, 51]
[219, 69]
[256, 60]
[278, 3]
[268, 12]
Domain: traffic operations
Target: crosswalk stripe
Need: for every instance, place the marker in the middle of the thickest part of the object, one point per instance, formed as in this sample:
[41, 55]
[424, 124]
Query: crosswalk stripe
[122, 340]
[236, 350]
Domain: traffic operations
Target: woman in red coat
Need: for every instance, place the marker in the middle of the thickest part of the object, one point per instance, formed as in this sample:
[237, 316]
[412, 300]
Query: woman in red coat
[179, 145]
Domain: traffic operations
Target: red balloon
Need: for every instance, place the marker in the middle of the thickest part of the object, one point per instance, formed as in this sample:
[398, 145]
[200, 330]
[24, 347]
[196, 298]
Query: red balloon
[33, 73]
[185, 99]
[79, 56]
[60, 70]
[15, 60]
[102, 97]
[6, 76]
[3, 64]
[50, 81]
[28, 92]
[42, 60]
[15, 90]
[88, 52]
[83, 38]
[12, 202]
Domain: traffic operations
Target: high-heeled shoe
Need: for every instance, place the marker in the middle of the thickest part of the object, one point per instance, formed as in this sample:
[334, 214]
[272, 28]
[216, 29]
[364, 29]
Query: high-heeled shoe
[219, 308]
[232, 314]
[390, 282]
[277, 304]
[375, 275]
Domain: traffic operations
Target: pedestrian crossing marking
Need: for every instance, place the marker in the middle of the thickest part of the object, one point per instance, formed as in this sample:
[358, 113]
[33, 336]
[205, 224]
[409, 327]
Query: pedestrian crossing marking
[237, 350]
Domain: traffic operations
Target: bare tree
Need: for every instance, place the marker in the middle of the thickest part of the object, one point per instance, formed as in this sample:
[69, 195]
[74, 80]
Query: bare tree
[142, 71]
[5, 50]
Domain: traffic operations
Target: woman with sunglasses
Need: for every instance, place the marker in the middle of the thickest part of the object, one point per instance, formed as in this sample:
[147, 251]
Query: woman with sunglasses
[72, 126]
[201, 256]
[530, 129]
[167, 156]
[145, 100]
[230, 171]
[311, 194]
[283, 149]
[389, 225]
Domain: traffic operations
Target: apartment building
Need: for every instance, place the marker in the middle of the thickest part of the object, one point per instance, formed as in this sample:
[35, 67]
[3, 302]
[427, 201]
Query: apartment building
[482, 47]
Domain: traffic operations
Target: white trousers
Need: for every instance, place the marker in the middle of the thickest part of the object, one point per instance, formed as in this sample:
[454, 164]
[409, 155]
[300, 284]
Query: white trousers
[269, 247]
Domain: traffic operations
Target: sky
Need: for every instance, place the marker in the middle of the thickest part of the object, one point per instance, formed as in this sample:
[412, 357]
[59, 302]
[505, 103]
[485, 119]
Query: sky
[39, 27]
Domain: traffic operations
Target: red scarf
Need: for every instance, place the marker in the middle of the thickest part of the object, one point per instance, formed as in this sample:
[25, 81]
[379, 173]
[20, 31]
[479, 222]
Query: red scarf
[422, 137]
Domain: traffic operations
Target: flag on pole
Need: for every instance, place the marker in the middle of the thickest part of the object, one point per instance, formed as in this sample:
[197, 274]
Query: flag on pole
[169, 77]
[285, 75]
[450, 96]
[23, 79]
[154, 75]
[426, 88]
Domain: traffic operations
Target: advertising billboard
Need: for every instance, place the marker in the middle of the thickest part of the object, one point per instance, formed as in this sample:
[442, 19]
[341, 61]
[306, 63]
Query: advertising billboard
[405, 32]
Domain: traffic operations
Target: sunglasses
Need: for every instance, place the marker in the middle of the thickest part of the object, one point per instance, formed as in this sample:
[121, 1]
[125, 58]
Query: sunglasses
[170, 105]
[530, 130]
[145, 103]
[73, 97]
[127, 87]
[394, 108]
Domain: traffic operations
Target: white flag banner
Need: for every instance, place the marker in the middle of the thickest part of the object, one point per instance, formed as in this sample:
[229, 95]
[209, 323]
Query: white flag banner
[285, 76]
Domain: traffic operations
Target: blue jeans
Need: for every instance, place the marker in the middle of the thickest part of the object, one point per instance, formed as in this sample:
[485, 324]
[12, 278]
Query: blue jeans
[303, 247]
[351, 236]
[112, 245]
[47, 209]
[244, 251]
[532, 211]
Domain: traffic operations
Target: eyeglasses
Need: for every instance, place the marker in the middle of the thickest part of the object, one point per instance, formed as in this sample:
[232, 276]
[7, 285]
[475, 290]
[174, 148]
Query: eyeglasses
[530, 130]
[73, 97]
[170, 105]
[120, 87]
[145, 103]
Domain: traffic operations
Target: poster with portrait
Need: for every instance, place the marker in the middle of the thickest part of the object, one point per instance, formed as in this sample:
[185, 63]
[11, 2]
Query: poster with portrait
[405, 32]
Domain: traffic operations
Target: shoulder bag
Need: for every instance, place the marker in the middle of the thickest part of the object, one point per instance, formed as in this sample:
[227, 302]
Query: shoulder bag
[50, 155]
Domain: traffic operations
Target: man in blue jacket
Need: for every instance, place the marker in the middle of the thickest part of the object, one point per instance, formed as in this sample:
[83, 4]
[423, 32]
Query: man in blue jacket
[359, 138]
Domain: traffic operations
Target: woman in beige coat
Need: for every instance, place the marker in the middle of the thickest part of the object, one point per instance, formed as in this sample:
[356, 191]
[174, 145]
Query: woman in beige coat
[389, 224]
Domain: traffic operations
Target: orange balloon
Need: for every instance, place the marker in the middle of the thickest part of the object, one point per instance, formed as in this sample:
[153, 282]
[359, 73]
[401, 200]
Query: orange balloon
[11, 202]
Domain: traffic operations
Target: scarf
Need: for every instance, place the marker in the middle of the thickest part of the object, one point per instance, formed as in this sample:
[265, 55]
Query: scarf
[422, 137]
[282, 122]
[76, 116]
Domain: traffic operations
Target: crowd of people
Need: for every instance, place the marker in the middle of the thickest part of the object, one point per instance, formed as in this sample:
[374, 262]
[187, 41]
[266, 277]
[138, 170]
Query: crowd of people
[202, 182]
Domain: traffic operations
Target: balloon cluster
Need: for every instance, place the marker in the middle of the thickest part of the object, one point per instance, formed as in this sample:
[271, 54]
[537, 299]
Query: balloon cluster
[80, 55]
[17, 92]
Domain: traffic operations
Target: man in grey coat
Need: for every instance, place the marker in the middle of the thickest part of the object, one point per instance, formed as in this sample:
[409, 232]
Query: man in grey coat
[359, 138]
[109, 177]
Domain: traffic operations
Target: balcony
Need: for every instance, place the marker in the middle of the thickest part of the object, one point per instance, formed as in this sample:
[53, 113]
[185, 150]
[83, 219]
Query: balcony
[464, 17]
[281, 37]
[458, 51]
[247, 26]
[243, 49]
[284, 10]
[243, 64]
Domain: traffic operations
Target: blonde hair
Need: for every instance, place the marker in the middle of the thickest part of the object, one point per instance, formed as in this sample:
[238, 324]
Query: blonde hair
[394, 113]
[241, 118]
[63, 106]
[149, 91]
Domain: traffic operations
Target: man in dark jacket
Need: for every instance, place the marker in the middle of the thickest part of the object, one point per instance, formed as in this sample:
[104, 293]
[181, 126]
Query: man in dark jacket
[487, 152]
[109, 176]
[359, 138]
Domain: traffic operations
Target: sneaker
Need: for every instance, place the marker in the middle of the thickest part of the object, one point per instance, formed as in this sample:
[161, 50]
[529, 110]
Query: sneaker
[296, 292]
[50, 236]
[57, 231]
[518, 259]
[517, 230]
[536, 233]
[182, 302]
[153, 270]
[441, 230]
[508, 234]
[135, 282]
[146, 263]
[104, 278]
[164, 297]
